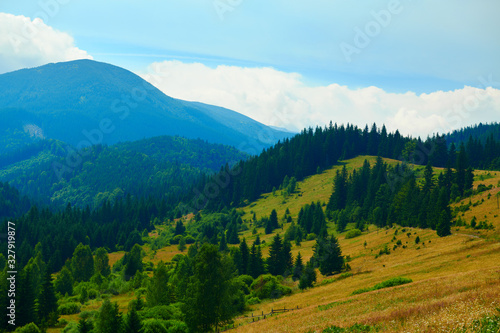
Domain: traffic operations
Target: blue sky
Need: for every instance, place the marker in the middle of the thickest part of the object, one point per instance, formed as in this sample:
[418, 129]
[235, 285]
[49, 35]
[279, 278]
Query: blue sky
[399, 47]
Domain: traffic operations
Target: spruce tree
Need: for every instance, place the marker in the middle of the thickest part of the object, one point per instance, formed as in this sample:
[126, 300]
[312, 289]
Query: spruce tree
[275, 261]
[245, 254]
[428, 179]
[25, 297]
[232, 233]
[64, 282]
[159, 290]
[461, 166]
[298, 267]
[210, 291]
[101, 262]
[255, 262]
[180, 229]
[85, 326]
[182, 244]
[222, 244]
[443, 227]
[287, 258]
[328, 255]
[268, 229]
[308, 276]
[47, 301]
[108, 319]
[82, 263]
[273, 219]
[132, 322]
[133, 261]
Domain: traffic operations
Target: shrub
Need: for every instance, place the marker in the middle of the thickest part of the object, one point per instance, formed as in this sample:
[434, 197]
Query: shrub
[30, 328]
[269, 286]
[311, 236]
[72, 327]
[176, 326]
[353, 233]
[92, 294]
[253, 301]
[154, 326]
[247, 279]
[189, 239]
[164, 312]
[69, 308]
[397, 281]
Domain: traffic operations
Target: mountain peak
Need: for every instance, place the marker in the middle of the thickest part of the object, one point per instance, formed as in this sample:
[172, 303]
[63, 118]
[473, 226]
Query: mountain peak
[86, 101]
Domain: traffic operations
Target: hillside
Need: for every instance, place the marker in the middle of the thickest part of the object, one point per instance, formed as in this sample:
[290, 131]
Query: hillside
[158, 167]
[456, 279]
[83, 101]
[450, 274]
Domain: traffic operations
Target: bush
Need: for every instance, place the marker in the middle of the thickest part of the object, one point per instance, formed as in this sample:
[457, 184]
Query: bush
[269, 286]
[164, 312]
[175, 240]
[311, 236]
[176, 326]
[189, 239]
[177, 257]
[69, 308]
[253, 300]
[154, 326]
[92, 294]
[72, 327]
[397, 281]
[30, 328]
[353, 233]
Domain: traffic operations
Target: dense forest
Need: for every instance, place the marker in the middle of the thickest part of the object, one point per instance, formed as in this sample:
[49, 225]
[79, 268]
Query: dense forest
[314, 150]
[12, 203]
[56, 174]
[481, 132]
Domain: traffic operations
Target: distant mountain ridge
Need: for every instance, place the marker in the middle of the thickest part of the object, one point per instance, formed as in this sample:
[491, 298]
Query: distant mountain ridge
[86, 102]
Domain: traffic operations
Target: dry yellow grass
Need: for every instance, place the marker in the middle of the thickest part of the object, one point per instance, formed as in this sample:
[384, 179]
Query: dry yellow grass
[456, 278]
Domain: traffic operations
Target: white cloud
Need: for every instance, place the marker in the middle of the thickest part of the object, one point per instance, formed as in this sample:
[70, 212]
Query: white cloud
[282, 99]
[26, 43]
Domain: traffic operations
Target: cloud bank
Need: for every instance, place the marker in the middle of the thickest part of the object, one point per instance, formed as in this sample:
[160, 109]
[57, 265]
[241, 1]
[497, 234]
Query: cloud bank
[26, 43]
[282, 99]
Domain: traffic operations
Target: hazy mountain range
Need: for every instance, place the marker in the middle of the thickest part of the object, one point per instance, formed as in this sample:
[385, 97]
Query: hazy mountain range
[86, 102]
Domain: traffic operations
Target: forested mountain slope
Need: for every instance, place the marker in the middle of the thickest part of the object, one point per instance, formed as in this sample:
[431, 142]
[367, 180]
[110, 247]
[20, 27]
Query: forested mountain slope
[86, 102]
[55, 174]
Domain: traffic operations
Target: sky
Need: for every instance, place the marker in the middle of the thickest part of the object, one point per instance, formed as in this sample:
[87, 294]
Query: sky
[421, 67]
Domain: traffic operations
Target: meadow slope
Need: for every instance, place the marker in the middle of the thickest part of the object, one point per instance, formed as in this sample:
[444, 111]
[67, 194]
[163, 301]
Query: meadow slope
[456, 279]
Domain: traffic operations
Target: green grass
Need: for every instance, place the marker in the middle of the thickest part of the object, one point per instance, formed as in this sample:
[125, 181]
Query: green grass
[354, 328]
[333, 304]
[397, 281]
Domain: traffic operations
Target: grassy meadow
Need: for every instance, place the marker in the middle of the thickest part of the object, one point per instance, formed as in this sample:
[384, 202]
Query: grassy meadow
[456, 279]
